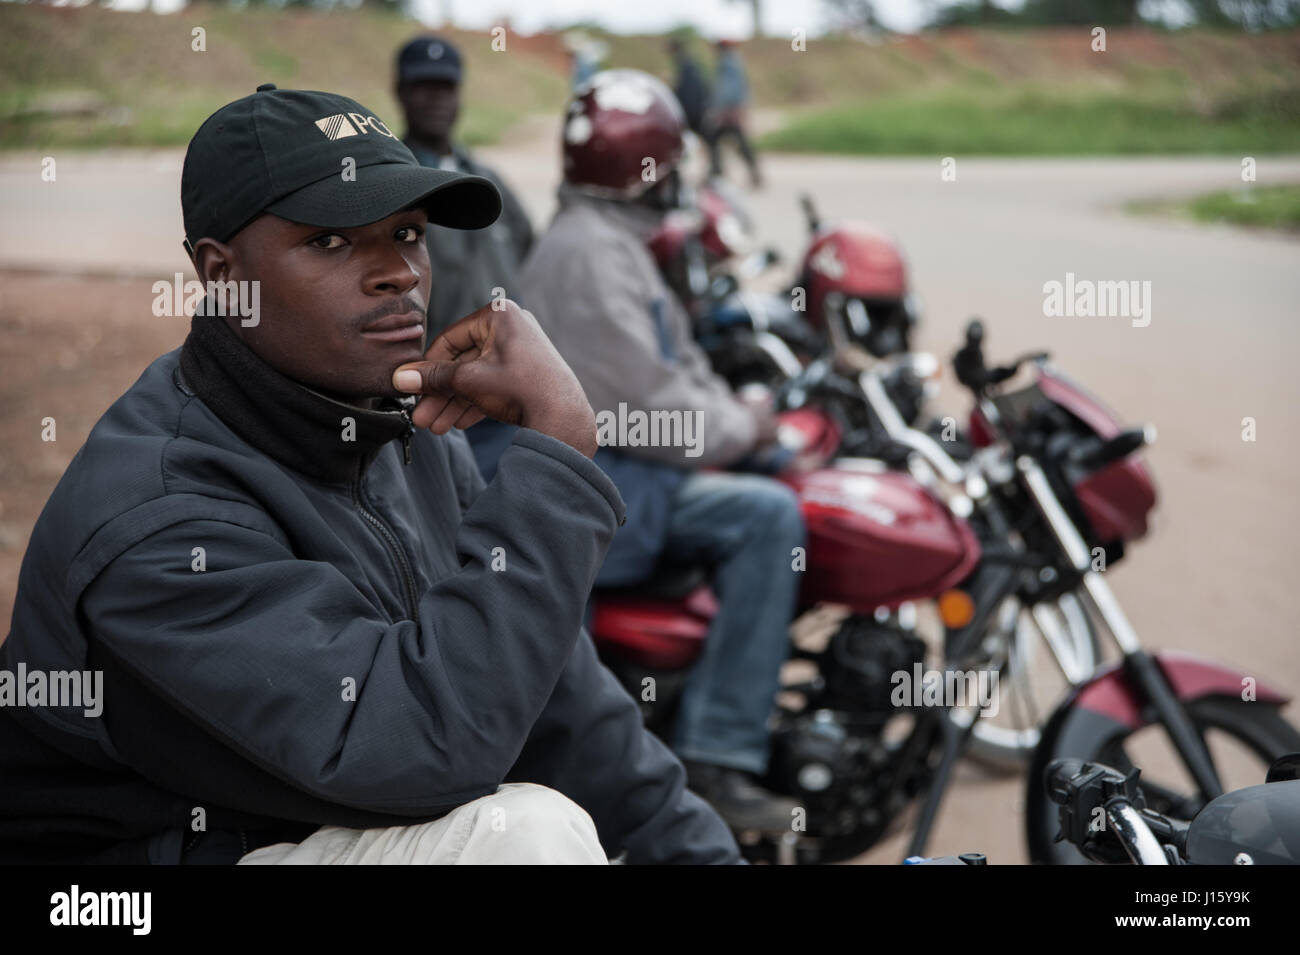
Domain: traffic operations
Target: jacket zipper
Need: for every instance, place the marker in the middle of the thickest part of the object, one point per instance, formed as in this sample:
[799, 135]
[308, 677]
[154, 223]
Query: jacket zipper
[390, 539]
[406, 437]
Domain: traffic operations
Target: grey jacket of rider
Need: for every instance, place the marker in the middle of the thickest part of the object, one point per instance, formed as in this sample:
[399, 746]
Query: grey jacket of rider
[594, 287]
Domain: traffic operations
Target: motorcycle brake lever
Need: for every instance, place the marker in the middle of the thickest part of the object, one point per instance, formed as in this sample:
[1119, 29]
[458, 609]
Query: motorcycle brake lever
[1001, 373]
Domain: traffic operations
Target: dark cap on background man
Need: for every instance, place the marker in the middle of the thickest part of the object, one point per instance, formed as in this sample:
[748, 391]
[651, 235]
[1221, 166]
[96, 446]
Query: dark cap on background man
[286, 152]
[428, 58]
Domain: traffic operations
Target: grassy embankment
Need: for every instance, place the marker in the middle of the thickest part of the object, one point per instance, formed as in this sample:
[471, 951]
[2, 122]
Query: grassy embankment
[992, 92]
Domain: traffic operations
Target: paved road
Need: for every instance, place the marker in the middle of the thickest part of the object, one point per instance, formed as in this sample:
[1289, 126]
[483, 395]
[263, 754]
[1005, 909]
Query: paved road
[1217, 575]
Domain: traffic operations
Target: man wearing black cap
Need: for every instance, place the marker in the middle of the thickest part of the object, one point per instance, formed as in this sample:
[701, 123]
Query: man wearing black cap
[429, 74]
[320, 637]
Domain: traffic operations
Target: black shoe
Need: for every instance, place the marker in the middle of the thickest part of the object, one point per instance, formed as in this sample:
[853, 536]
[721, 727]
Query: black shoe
[740, 801]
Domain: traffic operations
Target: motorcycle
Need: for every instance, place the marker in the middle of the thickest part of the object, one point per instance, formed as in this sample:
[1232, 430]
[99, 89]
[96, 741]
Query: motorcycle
[1068, 465]
[854, 283]
[1010, 529]
[1104, 814]
[851, 284]
[876, 539]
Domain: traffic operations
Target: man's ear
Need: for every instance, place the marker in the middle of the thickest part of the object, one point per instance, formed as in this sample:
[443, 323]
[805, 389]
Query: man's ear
[213, 260]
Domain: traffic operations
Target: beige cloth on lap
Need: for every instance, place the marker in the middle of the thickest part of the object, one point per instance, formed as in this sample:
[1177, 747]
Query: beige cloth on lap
[519, 824]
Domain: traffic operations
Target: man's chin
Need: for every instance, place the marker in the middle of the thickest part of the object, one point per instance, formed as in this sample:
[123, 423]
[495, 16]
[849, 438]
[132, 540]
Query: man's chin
[380, 394]
[362, 394]
[370, 377]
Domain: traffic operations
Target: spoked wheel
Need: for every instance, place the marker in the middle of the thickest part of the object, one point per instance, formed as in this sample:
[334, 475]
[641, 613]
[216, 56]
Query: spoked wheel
[1243, 737]
[1053, 647]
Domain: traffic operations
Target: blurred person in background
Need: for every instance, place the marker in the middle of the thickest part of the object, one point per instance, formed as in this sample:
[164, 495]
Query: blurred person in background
[726, 117]
[585, 56]
[467, 265]
[689, 85]
[595, 289]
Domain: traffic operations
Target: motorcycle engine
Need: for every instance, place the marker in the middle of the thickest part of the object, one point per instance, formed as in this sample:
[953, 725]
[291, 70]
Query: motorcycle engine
[840, 778]
[859, 664]
[831, 755]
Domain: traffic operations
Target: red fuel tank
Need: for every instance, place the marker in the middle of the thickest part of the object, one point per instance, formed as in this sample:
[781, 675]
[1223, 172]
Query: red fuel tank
[877, 538]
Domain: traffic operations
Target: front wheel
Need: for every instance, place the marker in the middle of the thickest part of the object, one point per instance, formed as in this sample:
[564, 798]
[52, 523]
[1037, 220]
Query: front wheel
[1244, 738]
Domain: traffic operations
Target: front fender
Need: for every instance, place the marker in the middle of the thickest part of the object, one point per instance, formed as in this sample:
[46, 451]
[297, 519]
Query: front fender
[1110, 693]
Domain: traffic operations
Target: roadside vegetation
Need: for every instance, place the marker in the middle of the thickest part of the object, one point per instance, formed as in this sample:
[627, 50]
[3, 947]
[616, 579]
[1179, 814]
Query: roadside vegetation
[93, 77]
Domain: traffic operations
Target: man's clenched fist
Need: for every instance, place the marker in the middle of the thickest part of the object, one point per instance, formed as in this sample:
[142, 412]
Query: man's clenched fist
[499, 364]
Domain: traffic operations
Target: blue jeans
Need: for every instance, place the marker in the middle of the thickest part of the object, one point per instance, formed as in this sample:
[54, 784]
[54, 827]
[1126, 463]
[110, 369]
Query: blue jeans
[746, 527]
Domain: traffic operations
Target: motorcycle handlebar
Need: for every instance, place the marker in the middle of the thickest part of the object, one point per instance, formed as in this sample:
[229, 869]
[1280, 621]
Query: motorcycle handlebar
[810, 212]
[1097, 452]
[1085, 790]
[968, 361]
[818, 376]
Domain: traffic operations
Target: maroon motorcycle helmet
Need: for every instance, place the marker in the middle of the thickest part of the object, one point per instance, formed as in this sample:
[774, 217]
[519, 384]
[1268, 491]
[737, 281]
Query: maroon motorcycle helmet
[850, 265]
[615, 123]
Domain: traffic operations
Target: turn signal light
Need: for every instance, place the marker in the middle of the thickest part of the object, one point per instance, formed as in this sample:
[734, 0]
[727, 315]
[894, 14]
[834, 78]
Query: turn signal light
[956, 609]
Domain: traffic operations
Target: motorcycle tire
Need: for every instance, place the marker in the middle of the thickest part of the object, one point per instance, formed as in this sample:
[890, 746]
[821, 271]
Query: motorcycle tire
[1257, 726]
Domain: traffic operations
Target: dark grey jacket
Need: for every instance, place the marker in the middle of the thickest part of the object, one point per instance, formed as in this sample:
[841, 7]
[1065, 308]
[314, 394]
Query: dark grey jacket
[469, 263]
[297, 628]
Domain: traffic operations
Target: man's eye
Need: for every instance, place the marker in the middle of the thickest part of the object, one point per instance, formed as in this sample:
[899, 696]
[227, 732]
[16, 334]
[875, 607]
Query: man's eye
[410, 233]
[331, 241]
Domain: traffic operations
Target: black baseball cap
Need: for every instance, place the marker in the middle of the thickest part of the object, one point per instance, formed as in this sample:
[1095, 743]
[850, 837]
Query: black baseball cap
[284, 152]
[428, 58]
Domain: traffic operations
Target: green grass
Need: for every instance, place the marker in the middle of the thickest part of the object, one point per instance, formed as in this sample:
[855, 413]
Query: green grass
[1275, 207]
[153, 89]
[1043, 120]
[1266, 207]
[988, 91]
[145, 123]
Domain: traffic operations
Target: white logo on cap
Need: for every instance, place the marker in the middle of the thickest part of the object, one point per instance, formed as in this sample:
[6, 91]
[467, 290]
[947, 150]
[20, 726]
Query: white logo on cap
[435, 51]
[336, 127]
[341, 125]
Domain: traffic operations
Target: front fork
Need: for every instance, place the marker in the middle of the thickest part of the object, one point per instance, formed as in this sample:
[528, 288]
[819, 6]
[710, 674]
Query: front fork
[1146, 674]
[994, 584]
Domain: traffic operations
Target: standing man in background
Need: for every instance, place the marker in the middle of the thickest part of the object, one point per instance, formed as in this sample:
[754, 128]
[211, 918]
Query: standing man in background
[429, 74]
[727, 111]
[585, 56]
[689, 86]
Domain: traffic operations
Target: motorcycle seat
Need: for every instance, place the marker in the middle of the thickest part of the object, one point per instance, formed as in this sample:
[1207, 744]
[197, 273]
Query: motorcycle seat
[669, 581]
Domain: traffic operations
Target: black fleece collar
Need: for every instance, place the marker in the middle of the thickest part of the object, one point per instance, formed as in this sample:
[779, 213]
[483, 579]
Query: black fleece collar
[289, 422]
